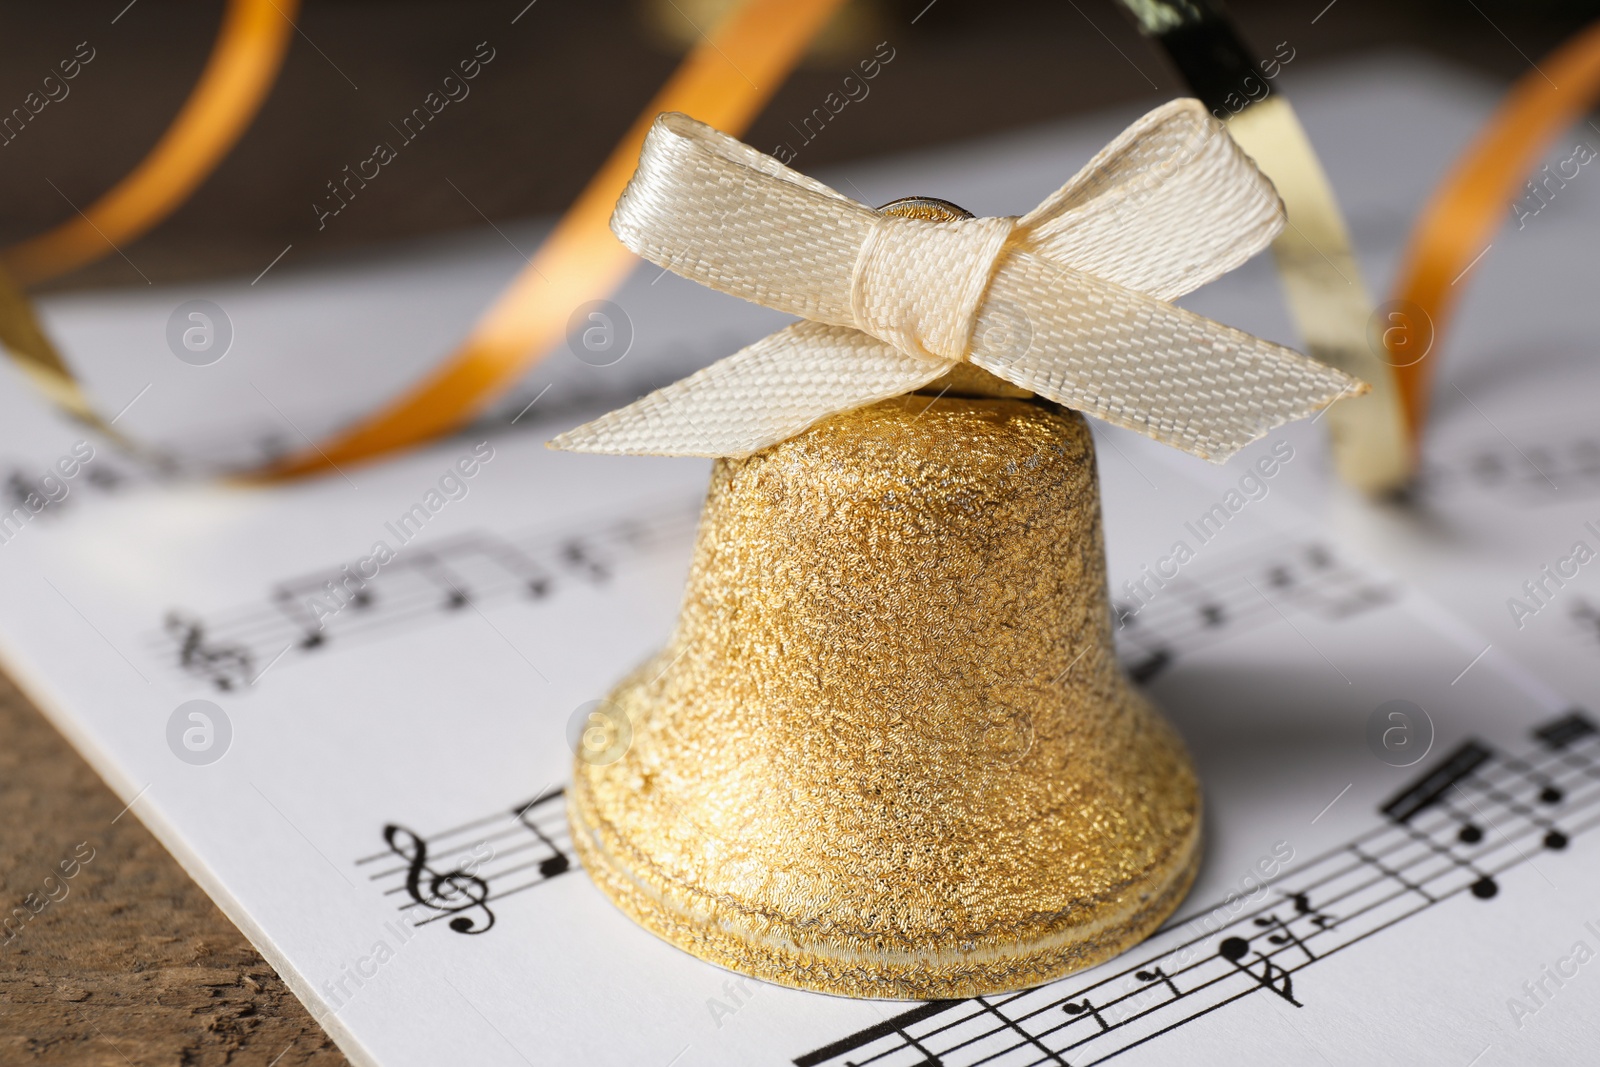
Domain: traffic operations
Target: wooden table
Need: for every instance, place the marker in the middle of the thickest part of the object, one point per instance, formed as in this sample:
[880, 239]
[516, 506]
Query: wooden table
[133, 964]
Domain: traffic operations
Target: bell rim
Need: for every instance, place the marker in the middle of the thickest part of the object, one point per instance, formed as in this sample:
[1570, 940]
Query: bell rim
[929, 973]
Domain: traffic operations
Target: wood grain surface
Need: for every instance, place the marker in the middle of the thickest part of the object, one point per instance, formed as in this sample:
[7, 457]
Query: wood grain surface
[130, 965]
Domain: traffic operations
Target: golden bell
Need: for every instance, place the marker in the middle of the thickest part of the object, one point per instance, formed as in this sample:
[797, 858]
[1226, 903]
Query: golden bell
[888, 751]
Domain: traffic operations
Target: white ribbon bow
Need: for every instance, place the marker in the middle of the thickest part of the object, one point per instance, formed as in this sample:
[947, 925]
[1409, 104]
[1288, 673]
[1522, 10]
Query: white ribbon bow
[1069, 301]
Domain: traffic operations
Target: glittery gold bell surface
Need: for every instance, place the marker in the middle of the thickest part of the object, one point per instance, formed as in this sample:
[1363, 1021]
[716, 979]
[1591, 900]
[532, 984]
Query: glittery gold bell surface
[888, 751]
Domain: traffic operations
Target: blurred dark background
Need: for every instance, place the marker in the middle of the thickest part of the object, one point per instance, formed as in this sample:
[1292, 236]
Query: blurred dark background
[566, 80]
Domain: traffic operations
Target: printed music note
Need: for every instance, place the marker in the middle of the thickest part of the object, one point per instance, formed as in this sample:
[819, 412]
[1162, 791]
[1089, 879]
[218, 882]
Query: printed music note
[299, 611]
[633, 533]
[1302, 906]
[579, 556]
[1284, 935]
[452, 892]
[1152, 665]
[492, 559]
[272, 446]
[1554, 839]
[1572, 727]
[1085, 1006]
[310, 601]
[1156, 974]
[103, 477]
[20, 486]
[535, 579]
[430, 565]
[21, 489]
[1272, 976]
[1547, 794]
[557, 862]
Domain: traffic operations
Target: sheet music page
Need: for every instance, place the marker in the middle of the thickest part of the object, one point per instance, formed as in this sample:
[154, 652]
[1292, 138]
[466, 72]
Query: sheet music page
[344, 704]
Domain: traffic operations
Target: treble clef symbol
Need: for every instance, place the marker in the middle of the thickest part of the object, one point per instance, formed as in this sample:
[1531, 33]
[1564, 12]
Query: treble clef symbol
[456, 890]
[227, 666]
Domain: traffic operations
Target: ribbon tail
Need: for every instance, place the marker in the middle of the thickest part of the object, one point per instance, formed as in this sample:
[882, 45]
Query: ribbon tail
[760, 395]
[1180, 378]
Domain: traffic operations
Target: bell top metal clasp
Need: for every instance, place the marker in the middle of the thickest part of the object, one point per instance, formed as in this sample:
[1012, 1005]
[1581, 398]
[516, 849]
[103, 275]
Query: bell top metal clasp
[930, 208]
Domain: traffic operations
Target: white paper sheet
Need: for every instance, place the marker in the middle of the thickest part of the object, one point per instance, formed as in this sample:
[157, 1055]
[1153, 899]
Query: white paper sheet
[431, 710]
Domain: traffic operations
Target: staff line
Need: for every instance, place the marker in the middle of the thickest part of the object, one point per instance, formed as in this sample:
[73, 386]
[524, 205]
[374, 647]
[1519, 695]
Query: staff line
[1561, 758]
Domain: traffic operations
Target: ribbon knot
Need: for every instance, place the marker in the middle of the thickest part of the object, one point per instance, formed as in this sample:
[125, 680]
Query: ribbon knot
[1069, 301]
[917, 284]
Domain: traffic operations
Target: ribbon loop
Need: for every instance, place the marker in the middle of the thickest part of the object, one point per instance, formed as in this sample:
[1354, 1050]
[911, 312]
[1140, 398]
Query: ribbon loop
[721, 213]
[917, 284]
[1071, 298]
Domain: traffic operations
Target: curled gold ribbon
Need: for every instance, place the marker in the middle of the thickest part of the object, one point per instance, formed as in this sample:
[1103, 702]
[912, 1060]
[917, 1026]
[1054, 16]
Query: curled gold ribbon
[1069, 301]
[1459, 222]
[244, 63]
[729, 76]
[1328, 298]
